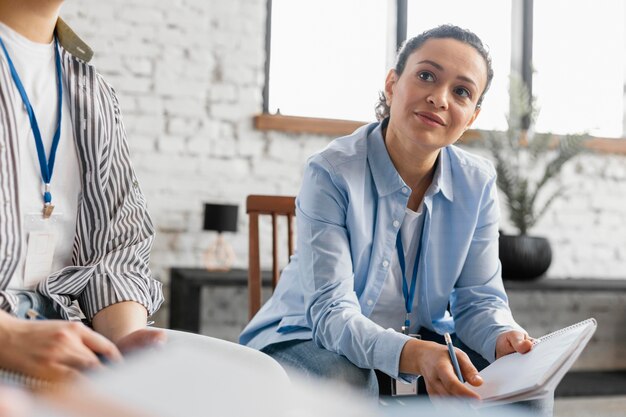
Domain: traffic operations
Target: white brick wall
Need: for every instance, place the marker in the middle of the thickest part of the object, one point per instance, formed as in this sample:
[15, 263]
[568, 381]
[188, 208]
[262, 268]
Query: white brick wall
[189, 74]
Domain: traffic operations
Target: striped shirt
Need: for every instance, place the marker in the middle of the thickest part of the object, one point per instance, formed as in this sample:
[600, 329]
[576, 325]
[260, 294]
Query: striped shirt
[114, 232]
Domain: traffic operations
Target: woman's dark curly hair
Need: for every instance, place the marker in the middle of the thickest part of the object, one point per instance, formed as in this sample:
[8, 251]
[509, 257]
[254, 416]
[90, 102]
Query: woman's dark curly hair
[439, 32]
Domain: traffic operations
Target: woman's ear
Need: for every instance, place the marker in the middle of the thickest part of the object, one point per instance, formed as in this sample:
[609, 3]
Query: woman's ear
[390, 83]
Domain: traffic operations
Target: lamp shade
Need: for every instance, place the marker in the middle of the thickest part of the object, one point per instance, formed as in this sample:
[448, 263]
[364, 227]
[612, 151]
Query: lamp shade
[220, 217]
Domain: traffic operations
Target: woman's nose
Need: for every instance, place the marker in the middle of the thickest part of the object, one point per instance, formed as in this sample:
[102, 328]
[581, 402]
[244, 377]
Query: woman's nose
[438, 99]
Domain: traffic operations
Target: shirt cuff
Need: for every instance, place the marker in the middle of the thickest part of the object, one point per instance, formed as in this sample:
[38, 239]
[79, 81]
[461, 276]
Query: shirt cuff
[105, 290]
[387, 352]
[8, 302]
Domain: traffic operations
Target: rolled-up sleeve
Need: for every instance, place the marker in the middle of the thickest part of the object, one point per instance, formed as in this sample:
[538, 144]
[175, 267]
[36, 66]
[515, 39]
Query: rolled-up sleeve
[8, 302]
[326, 273]
[123, 273]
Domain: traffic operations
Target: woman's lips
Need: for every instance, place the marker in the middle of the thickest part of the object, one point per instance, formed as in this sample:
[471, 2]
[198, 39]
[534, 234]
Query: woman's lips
[430, 119]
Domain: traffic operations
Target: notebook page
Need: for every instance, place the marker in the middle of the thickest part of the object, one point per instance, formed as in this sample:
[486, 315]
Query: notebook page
[519, 373]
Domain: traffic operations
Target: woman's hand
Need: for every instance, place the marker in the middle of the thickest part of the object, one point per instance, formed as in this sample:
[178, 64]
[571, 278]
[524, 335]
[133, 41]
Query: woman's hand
[52, 349]
[513, 341]
[141, 339]
[432, 361]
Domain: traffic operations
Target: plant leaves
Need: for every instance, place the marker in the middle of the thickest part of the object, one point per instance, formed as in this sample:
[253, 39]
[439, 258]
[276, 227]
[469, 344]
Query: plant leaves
[519, 154]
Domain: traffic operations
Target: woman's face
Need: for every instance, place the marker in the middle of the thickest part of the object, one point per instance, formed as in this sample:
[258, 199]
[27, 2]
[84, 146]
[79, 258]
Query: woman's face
[434, 100]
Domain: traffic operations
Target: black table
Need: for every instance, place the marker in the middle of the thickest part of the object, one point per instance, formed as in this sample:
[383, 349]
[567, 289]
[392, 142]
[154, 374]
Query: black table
[186, 292]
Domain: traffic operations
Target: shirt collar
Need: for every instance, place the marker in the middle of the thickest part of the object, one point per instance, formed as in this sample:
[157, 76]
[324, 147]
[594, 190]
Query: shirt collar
[386, 176]
[442, 180]
[72, 43]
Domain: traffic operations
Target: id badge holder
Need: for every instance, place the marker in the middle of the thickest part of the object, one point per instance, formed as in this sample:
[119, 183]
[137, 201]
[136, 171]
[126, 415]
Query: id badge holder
[40, 247]
[401, 388]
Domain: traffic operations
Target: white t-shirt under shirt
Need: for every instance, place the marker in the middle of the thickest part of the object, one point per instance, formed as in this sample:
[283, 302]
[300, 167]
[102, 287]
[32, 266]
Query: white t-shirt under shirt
[36, 67]
[389, 311]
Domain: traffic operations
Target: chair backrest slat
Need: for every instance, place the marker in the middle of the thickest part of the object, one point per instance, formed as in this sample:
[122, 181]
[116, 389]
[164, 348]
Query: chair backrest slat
[290, 233]
[274, 206]
[275, 266]
[254, 265]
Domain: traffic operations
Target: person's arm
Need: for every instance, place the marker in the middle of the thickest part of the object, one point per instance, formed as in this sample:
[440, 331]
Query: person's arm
[121, 293]
[125, 324]
[479, 303]
[326, 275]
[119, 320]
[51, 349]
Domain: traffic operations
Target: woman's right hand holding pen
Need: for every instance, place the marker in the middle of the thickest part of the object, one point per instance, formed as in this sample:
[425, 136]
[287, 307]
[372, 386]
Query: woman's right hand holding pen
[52, 349]
[432, 361]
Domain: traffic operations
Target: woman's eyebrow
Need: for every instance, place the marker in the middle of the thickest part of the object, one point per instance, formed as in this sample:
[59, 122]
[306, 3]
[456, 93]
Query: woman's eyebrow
[440, 68]
[433, 63]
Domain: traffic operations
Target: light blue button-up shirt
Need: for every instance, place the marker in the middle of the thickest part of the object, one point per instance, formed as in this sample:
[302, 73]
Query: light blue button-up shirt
[348, 210]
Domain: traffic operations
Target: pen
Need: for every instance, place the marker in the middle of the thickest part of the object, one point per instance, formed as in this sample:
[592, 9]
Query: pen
[453, 358]
[33, 315]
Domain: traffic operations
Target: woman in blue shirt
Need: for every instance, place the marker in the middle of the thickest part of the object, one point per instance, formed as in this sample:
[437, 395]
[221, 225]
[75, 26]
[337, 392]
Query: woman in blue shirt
[398, 234]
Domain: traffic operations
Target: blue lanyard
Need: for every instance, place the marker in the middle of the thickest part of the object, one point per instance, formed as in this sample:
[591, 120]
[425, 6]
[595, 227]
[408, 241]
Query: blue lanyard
[409, 293]
[46, 166]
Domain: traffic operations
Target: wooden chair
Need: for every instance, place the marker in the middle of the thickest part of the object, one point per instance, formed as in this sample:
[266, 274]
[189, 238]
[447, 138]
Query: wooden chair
[274, 206]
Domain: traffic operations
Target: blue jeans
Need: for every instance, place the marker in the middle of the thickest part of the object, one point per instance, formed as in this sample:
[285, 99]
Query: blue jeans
[28, 300]
[308, 359]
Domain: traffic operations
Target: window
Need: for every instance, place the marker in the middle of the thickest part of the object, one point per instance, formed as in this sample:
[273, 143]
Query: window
[327, 57]
[579, 51]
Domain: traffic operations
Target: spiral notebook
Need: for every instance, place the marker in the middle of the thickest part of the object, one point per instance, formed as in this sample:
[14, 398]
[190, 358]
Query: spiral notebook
[518, 377]
[24, 381]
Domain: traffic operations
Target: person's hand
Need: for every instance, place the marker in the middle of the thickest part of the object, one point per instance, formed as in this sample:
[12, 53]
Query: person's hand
[52, 349]
[513, 341]
[141, 339]
[432, 361]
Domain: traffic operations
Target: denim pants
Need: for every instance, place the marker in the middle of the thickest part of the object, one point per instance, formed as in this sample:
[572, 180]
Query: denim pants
[31, 300]
[306, 358]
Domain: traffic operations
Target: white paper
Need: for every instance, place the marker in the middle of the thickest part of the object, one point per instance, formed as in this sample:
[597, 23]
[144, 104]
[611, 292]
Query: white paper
[517, 377]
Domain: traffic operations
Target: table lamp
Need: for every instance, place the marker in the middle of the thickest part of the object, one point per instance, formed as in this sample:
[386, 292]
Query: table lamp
[220, 256]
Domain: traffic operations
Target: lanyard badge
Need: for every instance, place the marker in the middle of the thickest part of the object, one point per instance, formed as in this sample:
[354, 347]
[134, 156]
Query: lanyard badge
[45, 165]
[399, 388]
[408, 292]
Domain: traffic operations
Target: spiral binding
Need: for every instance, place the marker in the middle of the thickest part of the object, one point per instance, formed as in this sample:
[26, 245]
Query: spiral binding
[565, 329]
[24, 381]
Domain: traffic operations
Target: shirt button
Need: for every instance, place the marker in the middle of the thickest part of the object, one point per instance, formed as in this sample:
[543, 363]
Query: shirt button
[370, 302]
[396, 223]
[385, 263]
[405, 190]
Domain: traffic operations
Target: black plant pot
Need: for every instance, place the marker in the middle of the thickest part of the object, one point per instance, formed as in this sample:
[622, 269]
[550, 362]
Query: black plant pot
[524, 258]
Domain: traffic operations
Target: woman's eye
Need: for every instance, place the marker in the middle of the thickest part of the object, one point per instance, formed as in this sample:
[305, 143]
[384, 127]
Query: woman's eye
[426, 76]
[463, 92]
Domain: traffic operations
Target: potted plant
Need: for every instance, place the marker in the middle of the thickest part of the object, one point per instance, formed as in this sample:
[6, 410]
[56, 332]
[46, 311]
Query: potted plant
[525, 163]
